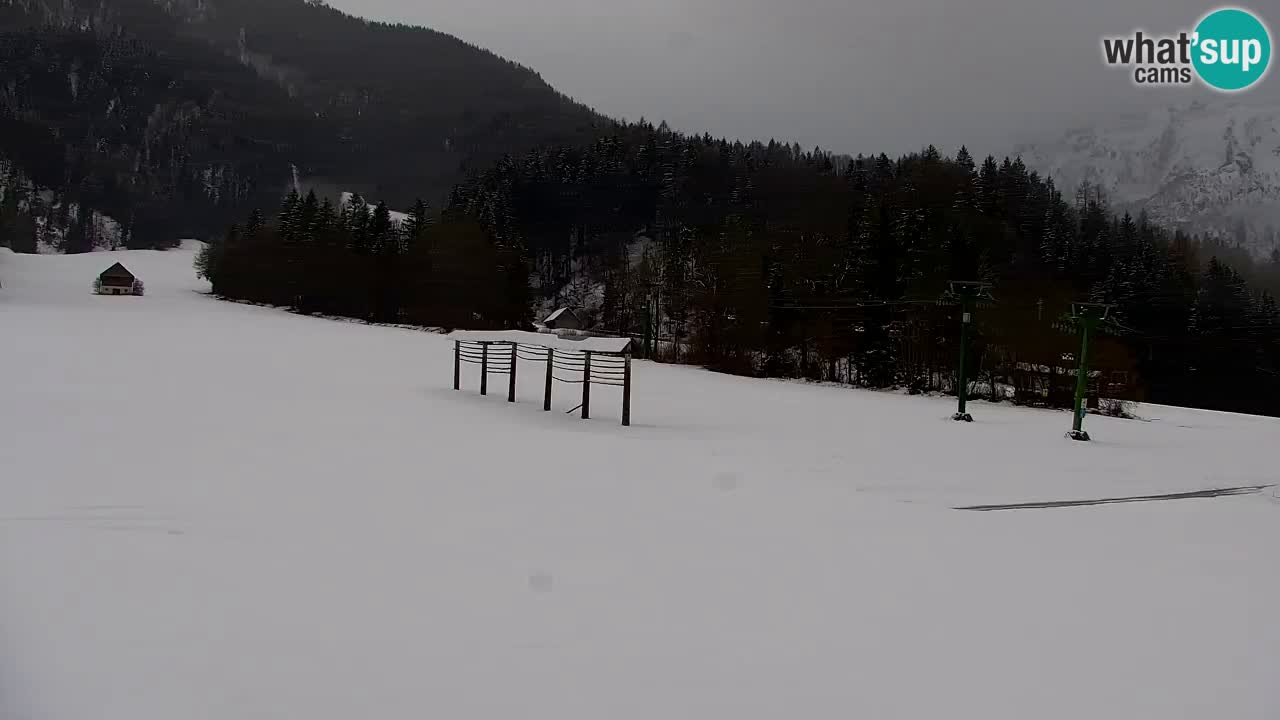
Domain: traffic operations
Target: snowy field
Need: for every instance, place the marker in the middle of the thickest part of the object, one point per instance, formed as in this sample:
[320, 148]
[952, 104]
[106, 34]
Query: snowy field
[223, 512]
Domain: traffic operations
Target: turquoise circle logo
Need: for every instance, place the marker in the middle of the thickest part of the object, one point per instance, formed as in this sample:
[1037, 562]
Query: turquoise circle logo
[1232, 49]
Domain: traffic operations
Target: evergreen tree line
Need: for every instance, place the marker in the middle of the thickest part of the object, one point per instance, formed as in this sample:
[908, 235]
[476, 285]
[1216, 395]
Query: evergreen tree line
[355, 261]
[765, 259]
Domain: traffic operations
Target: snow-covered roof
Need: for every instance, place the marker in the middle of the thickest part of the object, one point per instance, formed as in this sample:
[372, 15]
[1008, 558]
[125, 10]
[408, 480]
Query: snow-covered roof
[586, 344]
[557, 314]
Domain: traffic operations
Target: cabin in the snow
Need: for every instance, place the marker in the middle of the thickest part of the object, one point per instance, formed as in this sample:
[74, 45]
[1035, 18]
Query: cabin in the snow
[117, 280]
[564, 319]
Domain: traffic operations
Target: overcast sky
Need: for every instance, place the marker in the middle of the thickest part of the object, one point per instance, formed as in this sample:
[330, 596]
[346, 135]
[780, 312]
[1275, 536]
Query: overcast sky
[850, 75]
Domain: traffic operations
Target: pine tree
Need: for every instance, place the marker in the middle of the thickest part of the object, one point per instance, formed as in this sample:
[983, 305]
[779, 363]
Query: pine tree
[256, 224]
[288, 221]
[17, 226]
[308, 219]
[876, 275]
[208, 260]
[327, 216]
[419, 220]
[964, 160]
[359, 221]
[989, 187]
[381, 238]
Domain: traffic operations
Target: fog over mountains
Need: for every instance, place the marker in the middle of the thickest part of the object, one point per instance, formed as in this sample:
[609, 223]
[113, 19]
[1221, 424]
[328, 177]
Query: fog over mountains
[1209, 168]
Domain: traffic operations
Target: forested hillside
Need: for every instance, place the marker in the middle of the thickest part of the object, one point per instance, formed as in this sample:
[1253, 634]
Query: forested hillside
[178, 118]
[174, 118]
[767, 260]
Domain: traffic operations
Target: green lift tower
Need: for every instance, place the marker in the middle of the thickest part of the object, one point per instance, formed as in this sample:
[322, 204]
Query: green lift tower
[966, 293]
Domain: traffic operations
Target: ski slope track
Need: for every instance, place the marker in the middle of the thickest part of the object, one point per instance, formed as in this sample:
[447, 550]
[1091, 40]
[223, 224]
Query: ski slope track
[214, 511]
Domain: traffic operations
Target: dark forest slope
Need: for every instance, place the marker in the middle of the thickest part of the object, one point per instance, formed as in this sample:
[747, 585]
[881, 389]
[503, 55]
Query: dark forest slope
[175, 116]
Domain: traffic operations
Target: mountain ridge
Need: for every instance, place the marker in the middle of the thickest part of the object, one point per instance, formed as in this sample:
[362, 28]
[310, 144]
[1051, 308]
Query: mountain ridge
[1207, 168]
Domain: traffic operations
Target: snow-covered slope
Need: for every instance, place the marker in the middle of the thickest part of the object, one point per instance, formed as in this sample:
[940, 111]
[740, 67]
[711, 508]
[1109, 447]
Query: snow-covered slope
[1210, 168]
[213, 511]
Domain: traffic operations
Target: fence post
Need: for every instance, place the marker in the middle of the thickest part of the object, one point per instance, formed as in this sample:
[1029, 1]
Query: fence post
[626, 390]
[484, 368]
[586, 386]
[546, 398]
[511, 392]
[457, 364]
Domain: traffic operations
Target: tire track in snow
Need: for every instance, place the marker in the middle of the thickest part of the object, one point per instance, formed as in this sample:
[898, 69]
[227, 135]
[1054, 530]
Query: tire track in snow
[1219, 492]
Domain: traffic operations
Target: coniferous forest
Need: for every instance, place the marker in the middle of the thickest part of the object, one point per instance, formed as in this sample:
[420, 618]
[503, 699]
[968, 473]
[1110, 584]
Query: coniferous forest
[766, 260]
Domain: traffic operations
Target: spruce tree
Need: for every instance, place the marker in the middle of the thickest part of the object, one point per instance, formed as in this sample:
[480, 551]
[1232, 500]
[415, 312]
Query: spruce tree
[308, 219]
[208, 260]
[288, 220]
[419, 220]
[9, 208]
[254, 227]
[381, 237]
[359, 222]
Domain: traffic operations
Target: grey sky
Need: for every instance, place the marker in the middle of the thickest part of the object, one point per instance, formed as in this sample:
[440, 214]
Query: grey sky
[849, 75]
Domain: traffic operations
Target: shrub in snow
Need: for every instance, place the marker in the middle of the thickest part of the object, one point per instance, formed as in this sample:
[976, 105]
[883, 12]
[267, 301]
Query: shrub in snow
[1116, 408]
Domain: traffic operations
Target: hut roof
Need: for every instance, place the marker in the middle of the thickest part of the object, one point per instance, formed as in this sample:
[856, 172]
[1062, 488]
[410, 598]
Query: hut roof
[117, 271]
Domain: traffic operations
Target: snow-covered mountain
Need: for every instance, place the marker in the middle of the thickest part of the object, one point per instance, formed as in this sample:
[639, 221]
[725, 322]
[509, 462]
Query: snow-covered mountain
[1208, 168]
